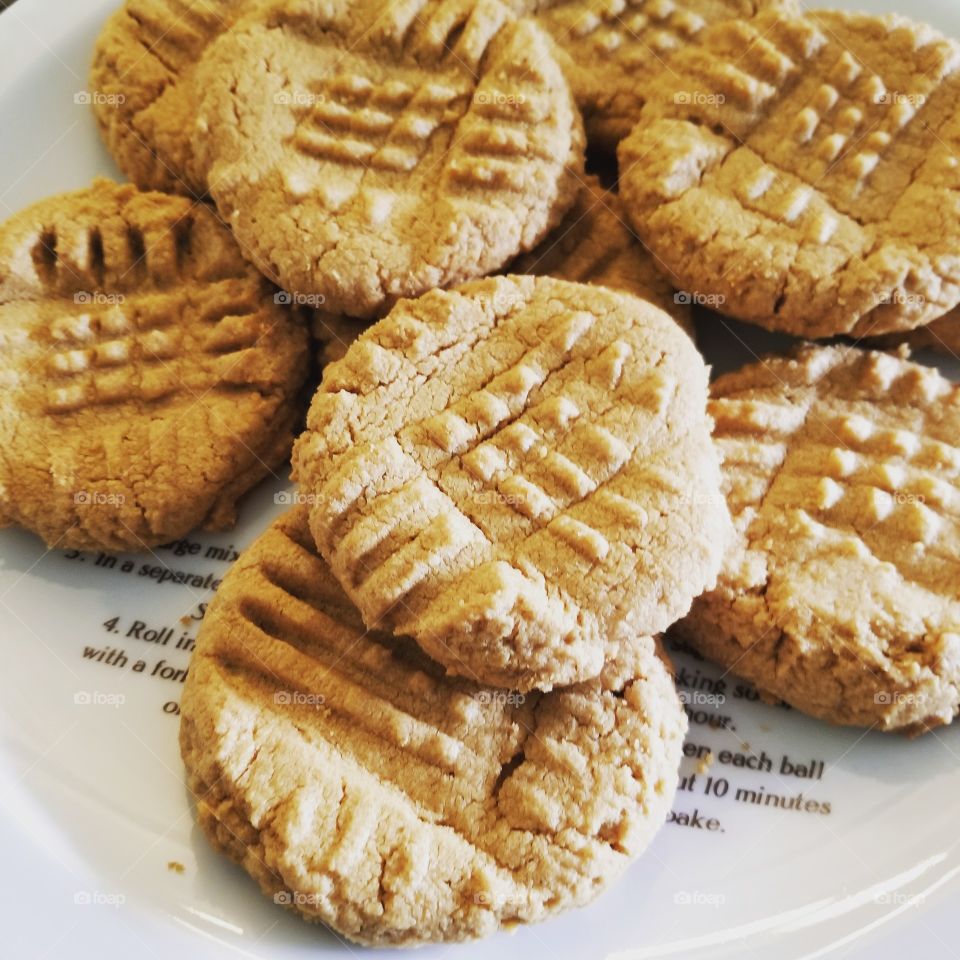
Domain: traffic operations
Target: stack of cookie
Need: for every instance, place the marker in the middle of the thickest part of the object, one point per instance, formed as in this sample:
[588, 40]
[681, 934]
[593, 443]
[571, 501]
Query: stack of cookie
[430, 701]
[445, 658]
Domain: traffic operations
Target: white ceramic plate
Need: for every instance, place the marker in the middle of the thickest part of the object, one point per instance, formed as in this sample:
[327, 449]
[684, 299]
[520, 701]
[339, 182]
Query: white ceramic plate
[858, 856]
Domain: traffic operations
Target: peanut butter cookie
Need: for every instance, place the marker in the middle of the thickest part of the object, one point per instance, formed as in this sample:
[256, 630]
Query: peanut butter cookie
[611, 51]
[841, 594]
[366, 151]
[517, 473]
[142, 88]
[149, 379]
[805, 172]
[365, 790]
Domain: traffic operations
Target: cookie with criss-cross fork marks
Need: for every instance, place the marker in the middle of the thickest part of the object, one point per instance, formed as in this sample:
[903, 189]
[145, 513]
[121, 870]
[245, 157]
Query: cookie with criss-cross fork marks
[150, 378]
[594, 244]
[142, 90]
[365, 790]
[841, 594]
[366, 151]
[611, 50]
[805, 172]
[517, 473]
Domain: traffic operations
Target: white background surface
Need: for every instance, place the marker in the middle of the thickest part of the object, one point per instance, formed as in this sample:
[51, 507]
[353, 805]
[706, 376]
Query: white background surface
[92, 797]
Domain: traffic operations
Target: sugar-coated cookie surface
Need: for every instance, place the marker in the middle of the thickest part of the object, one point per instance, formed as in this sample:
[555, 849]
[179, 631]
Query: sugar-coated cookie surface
[841, 594]
[517, 473]
[142, 91]
[364, 789]
[366, 151]
[150, 378]
[809, 176]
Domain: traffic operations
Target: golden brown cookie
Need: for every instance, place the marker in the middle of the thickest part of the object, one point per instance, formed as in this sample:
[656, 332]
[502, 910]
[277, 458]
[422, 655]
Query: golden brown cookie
[141, 86]
[366, 151]
[594, 244]
[150, 378]
[841, 594]
[805, 172]
[365, 790]
[610, 51]
[517, 473]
